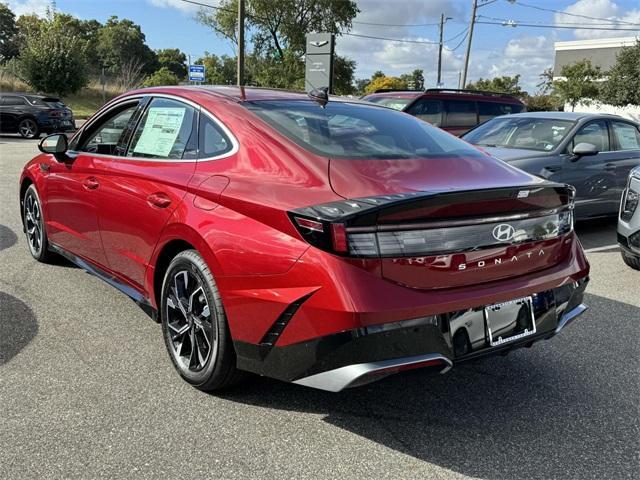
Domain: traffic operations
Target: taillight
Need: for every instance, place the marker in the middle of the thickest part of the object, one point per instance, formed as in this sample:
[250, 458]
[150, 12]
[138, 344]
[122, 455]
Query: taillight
[55, 113]
[351, 227]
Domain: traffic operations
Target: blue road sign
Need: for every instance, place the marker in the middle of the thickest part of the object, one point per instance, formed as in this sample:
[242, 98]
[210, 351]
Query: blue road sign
[196, 73]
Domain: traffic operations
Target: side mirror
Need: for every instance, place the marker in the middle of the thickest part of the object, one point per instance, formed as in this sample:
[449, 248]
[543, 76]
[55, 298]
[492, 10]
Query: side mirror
[55, 144]
[584, 150]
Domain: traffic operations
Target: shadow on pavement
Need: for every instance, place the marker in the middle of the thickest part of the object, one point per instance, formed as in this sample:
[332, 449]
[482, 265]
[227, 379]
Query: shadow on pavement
[598, 233]
[7, 237]
[18, 326]
[563, 409]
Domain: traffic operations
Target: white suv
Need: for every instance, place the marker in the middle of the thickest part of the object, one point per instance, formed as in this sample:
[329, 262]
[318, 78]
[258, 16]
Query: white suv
[629, 221]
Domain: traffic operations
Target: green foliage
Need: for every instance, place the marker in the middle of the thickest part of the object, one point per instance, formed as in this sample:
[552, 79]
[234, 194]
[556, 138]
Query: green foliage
[504, 84]
[219, 70]
[120, 41]
[414, 80]
[542, 103]
[579, 83]
[174, 60]
[361, 85]
[162, 76]
[278, 34]
[54, 60]
[623, 85]
[384, 82]
[8, 33]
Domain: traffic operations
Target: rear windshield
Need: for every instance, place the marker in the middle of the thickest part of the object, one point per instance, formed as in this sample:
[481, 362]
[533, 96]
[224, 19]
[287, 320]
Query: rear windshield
[391, 102]
[542, 134]
[48, 102]
[354, 131]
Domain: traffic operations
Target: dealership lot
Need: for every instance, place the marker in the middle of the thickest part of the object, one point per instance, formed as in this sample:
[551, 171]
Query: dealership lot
[87, 391]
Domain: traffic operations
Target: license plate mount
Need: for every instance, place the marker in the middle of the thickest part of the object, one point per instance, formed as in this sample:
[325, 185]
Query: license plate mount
[509, 321]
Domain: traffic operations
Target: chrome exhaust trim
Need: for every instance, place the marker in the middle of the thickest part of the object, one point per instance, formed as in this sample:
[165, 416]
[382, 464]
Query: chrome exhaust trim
[341, 378]
[570, 316]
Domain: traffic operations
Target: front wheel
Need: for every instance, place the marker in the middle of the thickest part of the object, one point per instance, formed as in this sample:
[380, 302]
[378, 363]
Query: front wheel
[33, 222]
[632, 261]
[28, 128]
[194, 324]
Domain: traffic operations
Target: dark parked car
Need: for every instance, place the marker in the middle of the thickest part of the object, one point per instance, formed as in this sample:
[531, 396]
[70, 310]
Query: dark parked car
[456, 111]
[594, 153]
[30, 115]
[326, 242]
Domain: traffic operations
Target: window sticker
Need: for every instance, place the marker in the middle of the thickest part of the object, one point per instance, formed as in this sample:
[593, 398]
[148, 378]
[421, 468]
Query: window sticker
[160, 131]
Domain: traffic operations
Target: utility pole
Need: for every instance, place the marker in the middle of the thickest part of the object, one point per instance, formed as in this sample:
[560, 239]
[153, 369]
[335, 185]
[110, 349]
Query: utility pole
[443, 19]
[240, 43]
[466, 57]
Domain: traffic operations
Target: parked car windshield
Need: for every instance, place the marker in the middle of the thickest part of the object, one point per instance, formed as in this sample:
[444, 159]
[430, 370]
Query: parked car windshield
[355, 131]
[541, 134]
[391, 102]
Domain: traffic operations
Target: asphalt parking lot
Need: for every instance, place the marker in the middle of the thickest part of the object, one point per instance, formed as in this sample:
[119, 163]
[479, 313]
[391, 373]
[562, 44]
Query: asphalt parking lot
[88, 391]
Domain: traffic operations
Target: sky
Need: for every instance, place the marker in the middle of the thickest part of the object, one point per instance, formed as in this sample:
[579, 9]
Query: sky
[496, 49]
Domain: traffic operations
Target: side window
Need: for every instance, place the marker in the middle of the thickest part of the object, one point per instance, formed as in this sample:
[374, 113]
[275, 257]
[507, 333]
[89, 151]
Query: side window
[595, 133]
[626, 135]
[104, 137]
[213, 141]
[461, 113]
[427, 110]
[489, 110]
[13, 101]
[165, 131]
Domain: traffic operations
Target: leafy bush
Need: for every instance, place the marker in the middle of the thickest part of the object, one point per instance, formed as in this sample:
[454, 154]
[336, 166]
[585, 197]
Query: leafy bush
[161, 77]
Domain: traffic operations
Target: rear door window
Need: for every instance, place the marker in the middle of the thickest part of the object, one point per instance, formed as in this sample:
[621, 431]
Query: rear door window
[461, 113]
[13, 101]
[167, 130]
[626, 136]
[489, 110]
[427, 110]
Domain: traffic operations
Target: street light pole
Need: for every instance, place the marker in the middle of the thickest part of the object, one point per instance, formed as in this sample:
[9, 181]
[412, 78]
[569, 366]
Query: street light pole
[466, 57]
[240, 43]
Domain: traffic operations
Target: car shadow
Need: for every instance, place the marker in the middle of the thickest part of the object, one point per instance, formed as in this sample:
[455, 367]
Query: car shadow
[598, 233]
[18, 326]
[562, 409]
[8, 238]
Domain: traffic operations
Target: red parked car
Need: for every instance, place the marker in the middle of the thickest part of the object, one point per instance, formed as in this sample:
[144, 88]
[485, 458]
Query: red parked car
[456, 111]
[315, 240]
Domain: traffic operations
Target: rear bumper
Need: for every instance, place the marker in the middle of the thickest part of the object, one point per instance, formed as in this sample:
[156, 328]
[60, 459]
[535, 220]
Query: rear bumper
[362, 355]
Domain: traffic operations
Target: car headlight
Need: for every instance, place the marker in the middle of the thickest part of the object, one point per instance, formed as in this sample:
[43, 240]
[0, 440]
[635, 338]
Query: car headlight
[630, 201]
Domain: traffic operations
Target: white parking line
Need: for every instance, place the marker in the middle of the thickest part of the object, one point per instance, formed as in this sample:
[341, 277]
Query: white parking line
[601, 249]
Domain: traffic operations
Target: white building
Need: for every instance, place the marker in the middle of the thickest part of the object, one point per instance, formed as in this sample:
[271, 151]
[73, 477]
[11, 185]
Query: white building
[601, 52]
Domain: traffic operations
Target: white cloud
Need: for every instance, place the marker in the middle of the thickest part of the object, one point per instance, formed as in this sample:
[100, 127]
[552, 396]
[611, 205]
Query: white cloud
[27, 7]
[600, 9]
[179, 4]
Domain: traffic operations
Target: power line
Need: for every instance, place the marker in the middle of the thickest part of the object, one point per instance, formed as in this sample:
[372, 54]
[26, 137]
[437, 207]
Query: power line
[497, 19]
[522, 4]
[459, 44]
[513, 23]
[396, 24]
[462, 32]
[423, 42]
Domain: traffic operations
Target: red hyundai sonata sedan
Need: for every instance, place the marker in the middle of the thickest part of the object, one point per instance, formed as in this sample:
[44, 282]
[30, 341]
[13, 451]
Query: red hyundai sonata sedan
[315, 240]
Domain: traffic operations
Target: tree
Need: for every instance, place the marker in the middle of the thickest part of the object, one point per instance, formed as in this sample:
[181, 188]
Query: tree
[623, 85]
[546, 81]
[279, 34]
[343, 76]
[361, 85]
[579, 83]
[219, 70]
[380, 83]
[121, 40]
[53, 60]
[174, 60]
[162, 76]
[8, 33]
[415, 79]
[542, 103]
[504, 84]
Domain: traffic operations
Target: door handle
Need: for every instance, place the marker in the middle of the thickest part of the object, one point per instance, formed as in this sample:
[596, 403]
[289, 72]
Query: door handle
[160, 200]
[90, 183]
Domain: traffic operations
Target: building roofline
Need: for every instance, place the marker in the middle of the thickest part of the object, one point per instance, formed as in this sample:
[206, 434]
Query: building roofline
[615, 42]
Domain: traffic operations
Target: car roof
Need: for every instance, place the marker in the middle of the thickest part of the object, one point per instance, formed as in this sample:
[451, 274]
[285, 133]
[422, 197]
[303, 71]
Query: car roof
[240, 94]
[573, 116]
[30, 95]
[397, 94]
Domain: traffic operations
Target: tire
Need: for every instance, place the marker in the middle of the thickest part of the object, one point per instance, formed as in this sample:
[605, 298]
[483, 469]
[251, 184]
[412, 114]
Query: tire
[28, 128]
[631, 260]
[192, 315]
[33, 221]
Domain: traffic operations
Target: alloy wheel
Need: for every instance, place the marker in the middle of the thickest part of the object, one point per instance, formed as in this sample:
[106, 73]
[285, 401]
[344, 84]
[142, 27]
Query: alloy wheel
[33, 223]
[28, 128]
[192, 330]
